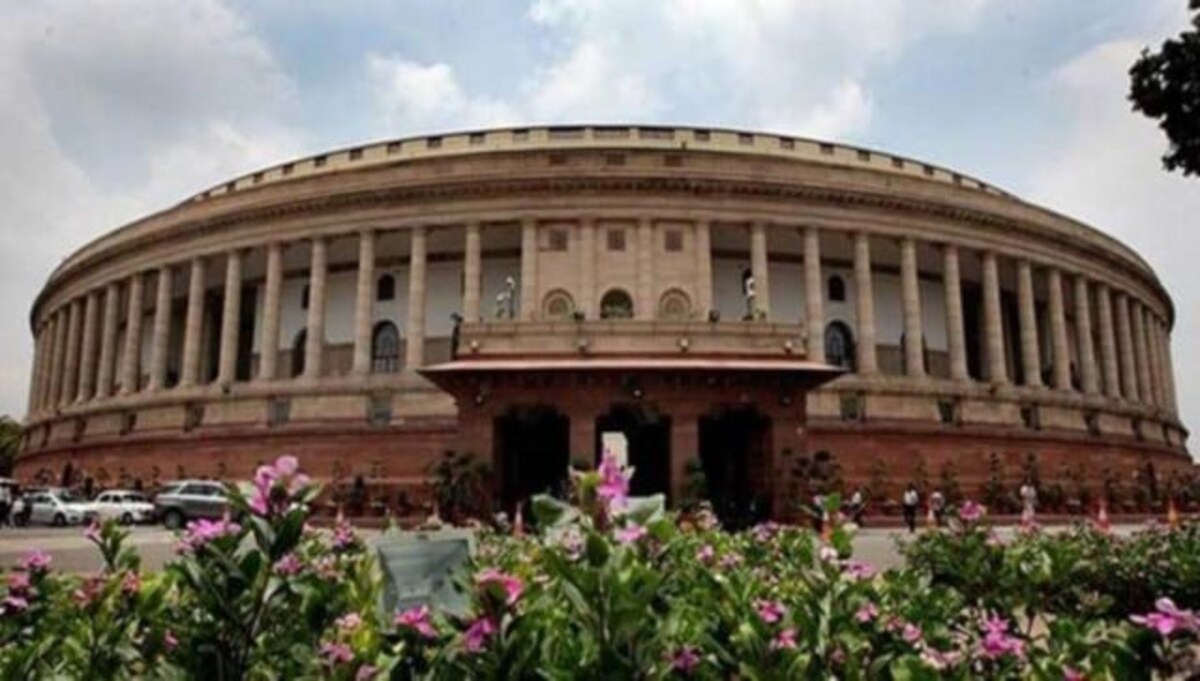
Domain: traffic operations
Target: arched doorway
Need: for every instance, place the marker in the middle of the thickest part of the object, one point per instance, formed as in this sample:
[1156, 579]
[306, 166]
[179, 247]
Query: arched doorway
[385, 348]
[532, 454]
[648, 437]
[839, 345]
[298, 352]
[735, 445]
[616, 304]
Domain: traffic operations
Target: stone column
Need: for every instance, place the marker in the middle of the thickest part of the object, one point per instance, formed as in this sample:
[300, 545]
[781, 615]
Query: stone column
[131, 362]
[58, 358]
[587, 268]
[1058, 331]
[414, 355]
[159, 344]
[364, 300]
[993, 327]
[814, 295]
[956, 343]
[1169, 368]
[1108, 341]
[1129, 384]
[71, 367]
[45, 352]
[1030, 352]
[472, 271]
[231, 318]
[910, 288]
[645, 305]
[759, 268]
[108, 341]
[46, 390]
[35, 373]
[193, 325]
[1156, 370]
[864, 298]
[1141, 358]
[1083, 333]
[529, 246]
[268, 352]
[704, 286]
[314, 341]
[87, 348]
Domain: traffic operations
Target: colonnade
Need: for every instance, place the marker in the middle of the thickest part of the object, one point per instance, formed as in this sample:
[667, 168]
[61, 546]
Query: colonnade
[77, 361]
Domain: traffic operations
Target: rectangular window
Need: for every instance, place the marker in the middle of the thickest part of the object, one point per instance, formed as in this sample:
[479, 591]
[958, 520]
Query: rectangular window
[258, 178]
[702, 135]
[319, 162]
[787, 143]
[433, 143]
[745, 138]
[287, 169]
[355, 154]
[477, 138]
[556, 240]
[673, 240]
[898, 163]
[864, 155]
[520, 135]
[616, 239]
[827, 149]
[393, 148]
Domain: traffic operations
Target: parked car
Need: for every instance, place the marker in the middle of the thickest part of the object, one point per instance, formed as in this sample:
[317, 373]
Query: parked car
[126, 506]
[186, 500]
[59, 507]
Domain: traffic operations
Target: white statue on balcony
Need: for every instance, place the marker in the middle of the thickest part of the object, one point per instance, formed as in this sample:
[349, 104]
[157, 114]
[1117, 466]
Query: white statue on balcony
[748, 291]
[506, 300]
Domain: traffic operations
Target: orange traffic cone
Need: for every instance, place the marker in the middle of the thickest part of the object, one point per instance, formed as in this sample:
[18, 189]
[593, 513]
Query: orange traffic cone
[1102, 518]
[1172, 514]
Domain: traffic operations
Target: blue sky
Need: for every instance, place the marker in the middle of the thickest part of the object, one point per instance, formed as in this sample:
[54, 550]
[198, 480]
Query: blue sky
[111, 110]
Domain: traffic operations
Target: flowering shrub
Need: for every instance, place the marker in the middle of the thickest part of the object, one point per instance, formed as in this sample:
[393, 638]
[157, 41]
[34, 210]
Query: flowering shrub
[611, 588]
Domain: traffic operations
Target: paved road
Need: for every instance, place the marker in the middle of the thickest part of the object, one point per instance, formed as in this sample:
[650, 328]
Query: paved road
[73, 553]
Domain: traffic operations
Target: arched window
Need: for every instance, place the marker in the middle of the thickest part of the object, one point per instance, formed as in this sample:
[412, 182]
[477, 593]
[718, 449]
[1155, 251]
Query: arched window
[839, 345]
[385, 348]
[557, 305]
[674, 305]
[835, 289]
[298, 350]
[616, 304]
[385, 288]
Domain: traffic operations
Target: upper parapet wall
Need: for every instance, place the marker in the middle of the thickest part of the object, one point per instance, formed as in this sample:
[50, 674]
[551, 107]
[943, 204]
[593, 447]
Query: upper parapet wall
[602, 137]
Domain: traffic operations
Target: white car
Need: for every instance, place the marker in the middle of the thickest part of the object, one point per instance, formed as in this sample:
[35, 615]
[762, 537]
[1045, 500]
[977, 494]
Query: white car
[126, 506]
[58, 508]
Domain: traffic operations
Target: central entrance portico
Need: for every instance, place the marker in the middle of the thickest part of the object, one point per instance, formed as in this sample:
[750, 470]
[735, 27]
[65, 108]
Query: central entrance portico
[531, 404]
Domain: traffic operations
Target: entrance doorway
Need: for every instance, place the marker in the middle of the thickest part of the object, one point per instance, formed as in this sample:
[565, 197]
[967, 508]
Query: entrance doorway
[648, 438]
[734, 451]
[532, 454]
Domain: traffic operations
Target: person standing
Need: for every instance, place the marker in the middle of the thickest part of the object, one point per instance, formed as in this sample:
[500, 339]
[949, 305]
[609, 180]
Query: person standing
[910, 501]
[937, 504]
[858, 505]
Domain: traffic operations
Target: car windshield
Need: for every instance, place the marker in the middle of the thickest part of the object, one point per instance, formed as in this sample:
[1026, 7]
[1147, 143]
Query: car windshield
[69, 497]
[135, 498]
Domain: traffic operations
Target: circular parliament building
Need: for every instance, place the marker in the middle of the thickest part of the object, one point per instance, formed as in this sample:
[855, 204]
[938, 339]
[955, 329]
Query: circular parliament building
[757, 307]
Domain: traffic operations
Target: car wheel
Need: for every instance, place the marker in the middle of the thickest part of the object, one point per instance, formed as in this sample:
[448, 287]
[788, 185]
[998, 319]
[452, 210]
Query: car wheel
[173, 520]
[126, 519]
[60, 520]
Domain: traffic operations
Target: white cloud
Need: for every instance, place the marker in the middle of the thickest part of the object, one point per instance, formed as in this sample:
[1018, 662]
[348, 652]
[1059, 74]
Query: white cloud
[110, 111]
[794, 67]
[1106, 170]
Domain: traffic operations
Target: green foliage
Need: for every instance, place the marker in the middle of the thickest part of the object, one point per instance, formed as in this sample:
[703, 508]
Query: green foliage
[10, 443]
[459, 485]
[1165, 85]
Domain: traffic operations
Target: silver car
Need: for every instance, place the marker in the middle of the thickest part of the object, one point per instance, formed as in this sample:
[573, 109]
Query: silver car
[186, 500]
[59, 508]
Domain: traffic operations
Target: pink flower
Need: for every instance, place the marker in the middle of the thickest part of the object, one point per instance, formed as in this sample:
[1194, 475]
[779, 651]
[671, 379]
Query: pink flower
[336, 653]
[730, 560]
[970, 511]
[631, 534]
[275, 485]
[131, 584]
[512, 586]
[417, 619]
[1072, 674]
[785, 640]
[288, 566]
[92, 533]
[478, 633]
[201, 532]
[770, 611]
[997, 642]
[764, 531]
[18, 581]
[911, 633]
[685, 660]
[13, 604]
[36, 561]
[169, 640]
[365, 673]
[348, 623]
[866, 613]
[343, 535]
[827, 553]
[614, 485]
[1168, 618]
[857, 570]
[705, 554]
